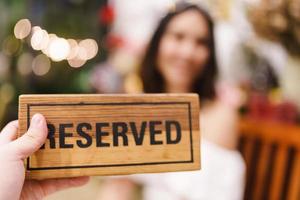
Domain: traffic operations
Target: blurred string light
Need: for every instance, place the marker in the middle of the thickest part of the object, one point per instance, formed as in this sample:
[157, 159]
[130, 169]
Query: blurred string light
[76, 52]
[22, 29]
[39, 39]
[41, 65]
[90, 46]
[73, 49]
[76, 62]
[58, 49]
[52, 37]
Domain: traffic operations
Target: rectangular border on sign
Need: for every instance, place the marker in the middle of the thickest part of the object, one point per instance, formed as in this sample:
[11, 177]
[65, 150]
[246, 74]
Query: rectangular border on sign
[112, 104]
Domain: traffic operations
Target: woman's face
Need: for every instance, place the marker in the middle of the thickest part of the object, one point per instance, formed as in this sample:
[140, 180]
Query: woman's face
[183, 50]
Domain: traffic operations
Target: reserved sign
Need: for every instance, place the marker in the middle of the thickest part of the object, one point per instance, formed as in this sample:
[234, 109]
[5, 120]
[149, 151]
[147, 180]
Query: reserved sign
[113, 134]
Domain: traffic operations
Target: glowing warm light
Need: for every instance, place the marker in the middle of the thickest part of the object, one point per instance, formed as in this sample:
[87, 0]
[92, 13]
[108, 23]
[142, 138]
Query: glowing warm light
[90, 46]
[41, 65]
[36, 28]
[82, 53]
[39, 39]
[78, 54]
[59, 49]
[22, 28]
[24, 64]
[73, 49]
[52, 37]
[76, 62]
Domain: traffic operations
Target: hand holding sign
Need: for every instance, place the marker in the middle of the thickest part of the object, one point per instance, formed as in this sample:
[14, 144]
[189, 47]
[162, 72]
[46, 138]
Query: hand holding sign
[12, 153]
[113, 134]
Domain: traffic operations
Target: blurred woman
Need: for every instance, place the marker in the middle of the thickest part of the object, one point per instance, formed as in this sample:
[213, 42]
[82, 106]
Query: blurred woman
[181, 58]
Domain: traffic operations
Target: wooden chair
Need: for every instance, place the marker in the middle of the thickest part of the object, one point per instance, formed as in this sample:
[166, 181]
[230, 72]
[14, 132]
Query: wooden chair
[272, 155]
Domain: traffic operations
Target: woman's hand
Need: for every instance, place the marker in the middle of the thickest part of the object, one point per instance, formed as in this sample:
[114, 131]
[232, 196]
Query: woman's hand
[12, 172]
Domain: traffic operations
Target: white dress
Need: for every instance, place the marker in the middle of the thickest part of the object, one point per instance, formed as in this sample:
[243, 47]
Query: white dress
[220, 178]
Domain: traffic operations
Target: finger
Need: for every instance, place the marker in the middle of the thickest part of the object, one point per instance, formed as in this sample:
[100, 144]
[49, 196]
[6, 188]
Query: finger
[33, 139]
[53, 185]
[9, 132]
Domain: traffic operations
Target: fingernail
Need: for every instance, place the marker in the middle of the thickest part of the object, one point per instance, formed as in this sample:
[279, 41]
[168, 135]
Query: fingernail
[37, 120]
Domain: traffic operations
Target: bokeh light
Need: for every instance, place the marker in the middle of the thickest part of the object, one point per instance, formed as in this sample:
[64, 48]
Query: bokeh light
[41, 65]
[76, 52]
[22, 29]
[59, 49]
[52, 37]
[90, 46]
[54, 47]
[73, 49]
[39, 39]
[76, 62]
[81, 53]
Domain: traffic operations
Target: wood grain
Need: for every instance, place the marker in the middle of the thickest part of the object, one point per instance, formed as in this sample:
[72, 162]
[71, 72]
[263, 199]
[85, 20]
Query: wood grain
[274, 173]
[102, 134]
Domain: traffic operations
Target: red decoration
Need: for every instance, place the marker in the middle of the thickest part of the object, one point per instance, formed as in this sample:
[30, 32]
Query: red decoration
[114, 41]
[106, 15]
[261, 108]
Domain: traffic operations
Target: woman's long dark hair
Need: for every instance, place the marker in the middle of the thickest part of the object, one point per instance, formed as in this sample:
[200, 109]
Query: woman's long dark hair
[153, 82]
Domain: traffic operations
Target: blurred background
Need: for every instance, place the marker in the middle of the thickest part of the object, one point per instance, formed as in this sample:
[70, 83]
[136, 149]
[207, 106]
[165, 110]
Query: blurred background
[78, 46]
[95, 46]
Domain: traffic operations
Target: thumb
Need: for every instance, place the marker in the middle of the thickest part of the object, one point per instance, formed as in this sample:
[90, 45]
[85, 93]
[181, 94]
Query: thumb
[33, 139]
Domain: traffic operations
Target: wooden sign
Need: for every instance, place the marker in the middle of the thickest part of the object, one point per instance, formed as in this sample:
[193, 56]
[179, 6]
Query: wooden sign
[113, 134]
